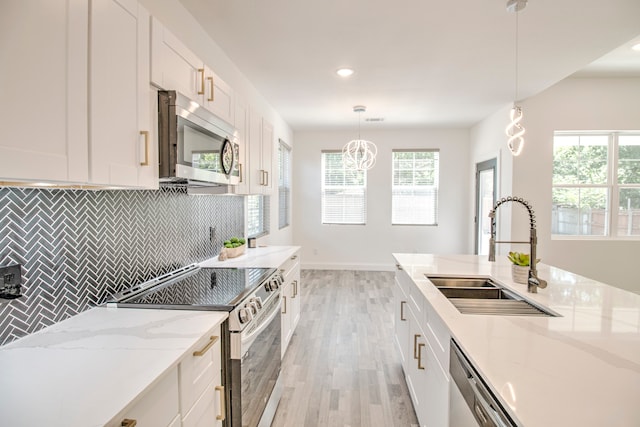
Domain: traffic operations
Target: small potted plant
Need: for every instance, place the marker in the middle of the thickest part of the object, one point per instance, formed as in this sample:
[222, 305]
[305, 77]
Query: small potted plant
[520, 266]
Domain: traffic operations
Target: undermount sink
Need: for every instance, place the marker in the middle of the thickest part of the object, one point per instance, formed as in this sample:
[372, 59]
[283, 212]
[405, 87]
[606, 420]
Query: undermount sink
[473, 295]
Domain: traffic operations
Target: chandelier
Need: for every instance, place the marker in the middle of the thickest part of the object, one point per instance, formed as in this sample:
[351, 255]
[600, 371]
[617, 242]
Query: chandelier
[515, 130]
[359, 154]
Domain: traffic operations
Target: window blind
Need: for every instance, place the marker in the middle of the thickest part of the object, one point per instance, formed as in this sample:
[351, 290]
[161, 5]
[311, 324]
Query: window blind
[284, 185]
[257, 215]
[414, 197]
[343, 191]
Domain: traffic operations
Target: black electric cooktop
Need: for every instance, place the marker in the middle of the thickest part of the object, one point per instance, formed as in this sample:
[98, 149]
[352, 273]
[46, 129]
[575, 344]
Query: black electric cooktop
[219, 289]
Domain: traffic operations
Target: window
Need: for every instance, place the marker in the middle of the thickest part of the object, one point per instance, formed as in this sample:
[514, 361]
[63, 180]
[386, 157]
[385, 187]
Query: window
[284, 185]
[257, 216]
[414, 194]
[596, 184]
[343, 191]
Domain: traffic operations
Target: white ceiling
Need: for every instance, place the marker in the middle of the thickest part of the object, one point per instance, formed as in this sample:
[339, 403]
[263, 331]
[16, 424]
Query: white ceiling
[419, 63]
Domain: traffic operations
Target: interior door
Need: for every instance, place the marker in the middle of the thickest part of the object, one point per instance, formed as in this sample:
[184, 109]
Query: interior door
[486, 190]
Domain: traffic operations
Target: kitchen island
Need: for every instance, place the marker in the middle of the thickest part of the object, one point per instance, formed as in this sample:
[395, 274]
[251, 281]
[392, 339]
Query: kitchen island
[581, 368]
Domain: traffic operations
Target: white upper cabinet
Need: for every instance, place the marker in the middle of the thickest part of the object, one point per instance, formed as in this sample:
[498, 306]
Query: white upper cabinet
[241, 123]
[120, 130]
[43, 84]
[260, 154]
[175, 67]
[76, 95]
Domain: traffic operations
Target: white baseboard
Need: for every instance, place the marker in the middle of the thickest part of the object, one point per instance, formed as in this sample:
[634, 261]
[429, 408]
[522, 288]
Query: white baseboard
[347, 266]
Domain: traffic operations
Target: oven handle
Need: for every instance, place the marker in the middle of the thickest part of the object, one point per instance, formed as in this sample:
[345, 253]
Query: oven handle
[265, 323]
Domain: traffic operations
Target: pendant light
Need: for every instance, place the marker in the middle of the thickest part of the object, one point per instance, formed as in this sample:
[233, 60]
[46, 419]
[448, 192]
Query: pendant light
[515, 130]
[359, 154]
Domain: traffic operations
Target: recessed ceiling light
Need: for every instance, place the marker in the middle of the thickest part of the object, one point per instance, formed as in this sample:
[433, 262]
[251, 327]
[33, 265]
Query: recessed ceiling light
[636, 47]
[344, 72]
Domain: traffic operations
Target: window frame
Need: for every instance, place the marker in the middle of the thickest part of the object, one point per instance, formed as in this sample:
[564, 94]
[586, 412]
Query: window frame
[323, 188]
[284, 185]
[263, 212]
[437, 185]
[612, 186]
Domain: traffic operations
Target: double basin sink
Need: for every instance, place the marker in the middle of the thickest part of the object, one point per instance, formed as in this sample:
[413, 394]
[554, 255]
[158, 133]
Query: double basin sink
[472, 295]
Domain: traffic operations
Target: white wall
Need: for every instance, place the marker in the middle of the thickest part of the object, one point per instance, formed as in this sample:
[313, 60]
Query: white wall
[573, 104]
[183, 25]
[370, 246]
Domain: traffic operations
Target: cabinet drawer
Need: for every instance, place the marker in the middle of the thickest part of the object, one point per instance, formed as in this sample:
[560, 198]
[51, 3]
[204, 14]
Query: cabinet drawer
[199, 369]
[404, 281]
[438, 336]
[289, 265]
[157, 407]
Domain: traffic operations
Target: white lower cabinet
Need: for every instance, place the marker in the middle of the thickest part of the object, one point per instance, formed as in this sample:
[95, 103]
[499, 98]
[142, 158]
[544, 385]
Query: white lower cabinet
[189, 395]
[201, 389]
[427, 378]
[157, 408]
[291, 300]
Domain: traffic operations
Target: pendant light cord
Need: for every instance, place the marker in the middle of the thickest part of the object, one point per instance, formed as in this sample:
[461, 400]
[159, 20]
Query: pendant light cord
[516, 90]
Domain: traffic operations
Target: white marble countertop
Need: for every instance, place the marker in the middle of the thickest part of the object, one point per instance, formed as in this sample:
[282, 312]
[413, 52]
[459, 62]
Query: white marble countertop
[260, 257]
[85, 370]
[581, 369]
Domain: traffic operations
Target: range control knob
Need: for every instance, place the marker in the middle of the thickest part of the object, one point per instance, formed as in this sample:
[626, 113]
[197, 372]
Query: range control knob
[275, 284]
[252, 307]
[244, 315]
[257, 301]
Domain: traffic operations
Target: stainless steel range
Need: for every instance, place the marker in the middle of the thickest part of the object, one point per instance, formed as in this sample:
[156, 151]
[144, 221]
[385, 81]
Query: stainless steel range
[251, 337]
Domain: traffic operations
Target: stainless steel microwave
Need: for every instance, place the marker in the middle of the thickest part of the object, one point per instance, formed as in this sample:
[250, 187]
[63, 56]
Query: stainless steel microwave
[196, 147]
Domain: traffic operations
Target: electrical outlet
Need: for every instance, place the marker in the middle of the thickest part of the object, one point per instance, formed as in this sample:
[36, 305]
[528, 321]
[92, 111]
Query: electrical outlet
[10, 282]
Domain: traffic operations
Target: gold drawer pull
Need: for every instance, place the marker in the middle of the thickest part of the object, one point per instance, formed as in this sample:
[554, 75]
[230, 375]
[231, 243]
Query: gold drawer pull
[402, 303]
[201, 91]
[415, 345]
[420, 356]
[223, 411]
[128, 423]
[212, 340]
[211, 91]
[285, 304]
[146, 147]
[240, 167]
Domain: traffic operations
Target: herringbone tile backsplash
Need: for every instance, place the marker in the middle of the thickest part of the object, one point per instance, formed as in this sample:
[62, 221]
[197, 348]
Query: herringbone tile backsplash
[79, 247]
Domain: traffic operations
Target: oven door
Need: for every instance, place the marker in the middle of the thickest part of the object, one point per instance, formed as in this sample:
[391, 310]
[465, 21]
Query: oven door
[255, 369]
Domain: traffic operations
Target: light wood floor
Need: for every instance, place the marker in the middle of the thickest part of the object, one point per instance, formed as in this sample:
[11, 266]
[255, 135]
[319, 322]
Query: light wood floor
[341, 367]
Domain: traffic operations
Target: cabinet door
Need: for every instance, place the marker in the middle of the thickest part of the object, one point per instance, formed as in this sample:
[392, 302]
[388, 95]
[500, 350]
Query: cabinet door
[174, 66]
[255, 173]
[119, 92]
[267, 156]
[401, 324]
[218, 97]
[241, 123]
[285, 324]
[43, 113]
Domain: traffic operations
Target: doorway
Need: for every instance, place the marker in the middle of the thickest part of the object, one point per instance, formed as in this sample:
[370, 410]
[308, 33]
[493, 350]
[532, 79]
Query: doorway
[486, 190]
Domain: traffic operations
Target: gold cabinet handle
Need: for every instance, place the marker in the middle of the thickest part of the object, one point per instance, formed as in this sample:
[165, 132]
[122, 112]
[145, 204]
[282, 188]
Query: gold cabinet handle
[294, 257]
[266, 181]
[240, 167]
[415, 345]
[145, 133]
[201, 91]
[223, 411]
[212, 340]
[420, 355]
[402, 303]
[295, 288]
[285, 304]
[211, 90]
[128, 423]
[398, 266]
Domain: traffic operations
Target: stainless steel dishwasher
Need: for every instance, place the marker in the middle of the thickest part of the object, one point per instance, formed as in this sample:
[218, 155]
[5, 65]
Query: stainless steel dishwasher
[470, 402]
